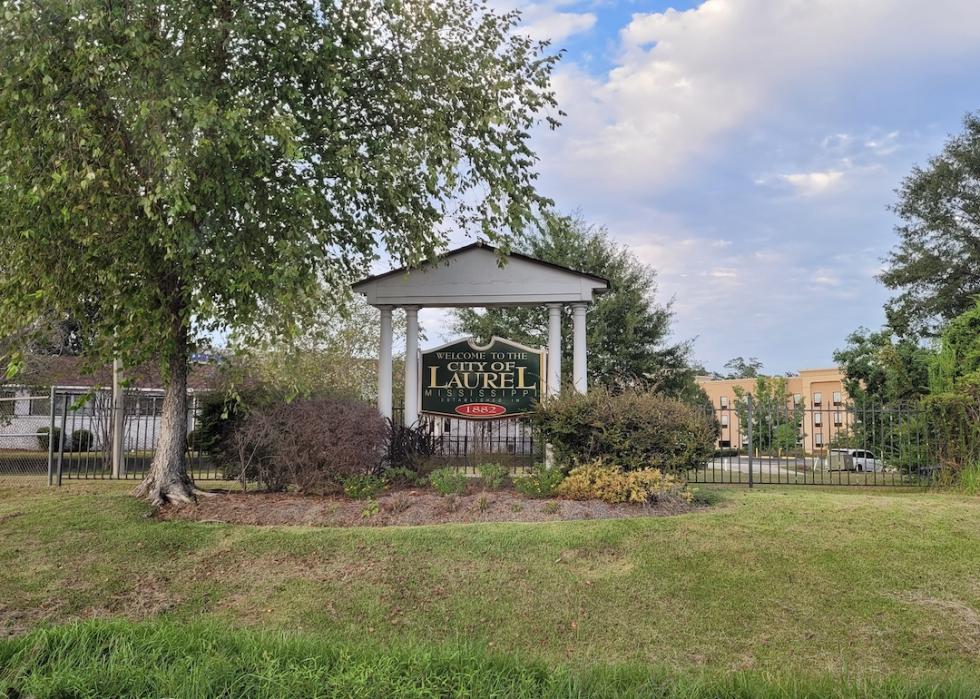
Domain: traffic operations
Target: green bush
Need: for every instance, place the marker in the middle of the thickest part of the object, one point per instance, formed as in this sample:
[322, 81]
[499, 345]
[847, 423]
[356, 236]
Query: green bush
[448, 481]
[401, 476]
[631, 429]
[42, 437]
[970, 480]
[362, 486]
[953, 421]
[82, 440]
[195, 441]
[493, 475]
[542, 482]
[700, 496]
[726, 453]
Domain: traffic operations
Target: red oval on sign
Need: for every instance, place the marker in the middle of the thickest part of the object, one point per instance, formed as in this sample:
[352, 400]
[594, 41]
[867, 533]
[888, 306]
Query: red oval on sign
[480, 410]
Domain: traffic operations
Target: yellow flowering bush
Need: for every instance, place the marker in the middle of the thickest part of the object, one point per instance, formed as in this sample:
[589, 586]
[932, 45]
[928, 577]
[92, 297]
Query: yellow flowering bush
[598, 480]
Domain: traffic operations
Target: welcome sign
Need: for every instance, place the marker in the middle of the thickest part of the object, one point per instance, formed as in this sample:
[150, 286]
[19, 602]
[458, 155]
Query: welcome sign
[463, 379]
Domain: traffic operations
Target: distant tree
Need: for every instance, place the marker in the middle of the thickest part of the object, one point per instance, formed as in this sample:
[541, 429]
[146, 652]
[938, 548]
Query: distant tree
[880, 368]
[627, 330]
[777, 420]
[936, 265]
[335, 353]
[188, 168]
[741, 368]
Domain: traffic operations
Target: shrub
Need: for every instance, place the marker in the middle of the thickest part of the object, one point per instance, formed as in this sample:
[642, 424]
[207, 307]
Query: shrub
[82, 440]
[448, 481]
[401, 476]
[699, 496]
[633, 429]
[195, 441]
[42, 437]
[953, 421]
[540, 483]
[362, 486]
[217, 415]
[598, 480]
[312, 444]
[493, 475]
[726, 453]
[970, 480]
[408, 446]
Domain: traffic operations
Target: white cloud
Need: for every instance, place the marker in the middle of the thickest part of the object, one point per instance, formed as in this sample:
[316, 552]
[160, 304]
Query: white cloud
[883, 145]
[683, 80]
[811, 183]
[552, 20]
[546, 22]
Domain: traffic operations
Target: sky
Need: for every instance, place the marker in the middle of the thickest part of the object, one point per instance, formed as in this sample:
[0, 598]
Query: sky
[749, 150]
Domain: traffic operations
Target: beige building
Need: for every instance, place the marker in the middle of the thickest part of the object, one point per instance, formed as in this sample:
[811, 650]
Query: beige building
[819, 391]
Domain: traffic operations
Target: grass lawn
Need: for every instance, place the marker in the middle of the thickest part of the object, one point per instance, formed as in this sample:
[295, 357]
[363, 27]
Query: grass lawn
[850, 586]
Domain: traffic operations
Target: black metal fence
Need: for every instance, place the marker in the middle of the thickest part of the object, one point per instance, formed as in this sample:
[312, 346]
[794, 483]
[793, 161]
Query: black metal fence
[67, 434]
[833, 445]
[465, 444]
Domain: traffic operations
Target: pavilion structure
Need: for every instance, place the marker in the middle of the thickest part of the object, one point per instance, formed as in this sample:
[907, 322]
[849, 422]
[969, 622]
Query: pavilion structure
[479, 275]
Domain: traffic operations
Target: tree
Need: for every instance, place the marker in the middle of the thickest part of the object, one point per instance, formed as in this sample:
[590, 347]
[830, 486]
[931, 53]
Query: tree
[335, 354]
[185, 168]
[885, 378]
[936, 265]
[777, 420]
[740, 368]
[626, 329]
[958, 359]
[880, 369]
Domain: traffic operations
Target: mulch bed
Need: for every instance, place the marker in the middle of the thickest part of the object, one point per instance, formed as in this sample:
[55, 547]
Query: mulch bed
[404, 507]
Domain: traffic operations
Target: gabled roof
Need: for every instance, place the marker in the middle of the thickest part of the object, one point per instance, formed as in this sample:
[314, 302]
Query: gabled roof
[69, 371]
[473, 276]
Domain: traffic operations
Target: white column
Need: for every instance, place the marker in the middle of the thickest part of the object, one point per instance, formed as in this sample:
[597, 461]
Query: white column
[579, 368]
[384, 363]
[554, 349]
[411, 365]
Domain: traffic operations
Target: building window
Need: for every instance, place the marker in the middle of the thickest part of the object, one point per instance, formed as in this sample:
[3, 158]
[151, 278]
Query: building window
[797, 398]
[837, 398]
[724, 421]
[724, 443]
[838, 419]
[8, 402]
[39, 406]
[817, 418]
[42, 406]
[723, 401]
[87, 408]
[144, 405]
[817, 398]
[818, 438]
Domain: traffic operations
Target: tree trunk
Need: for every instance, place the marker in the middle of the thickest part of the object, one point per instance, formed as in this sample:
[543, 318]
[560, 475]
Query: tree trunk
[167, 480]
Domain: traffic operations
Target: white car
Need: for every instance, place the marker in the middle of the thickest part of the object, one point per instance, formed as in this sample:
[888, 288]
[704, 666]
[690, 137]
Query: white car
[854, 460]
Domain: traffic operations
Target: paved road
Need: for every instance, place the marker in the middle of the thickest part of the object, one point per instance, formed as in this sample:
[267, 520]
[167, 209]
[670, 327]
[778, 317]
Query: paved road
[765, 464]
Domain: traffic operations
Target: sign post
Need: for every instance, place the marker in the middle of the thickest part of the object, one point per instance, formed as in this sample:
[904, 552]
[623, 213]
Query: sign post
[463, 379]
